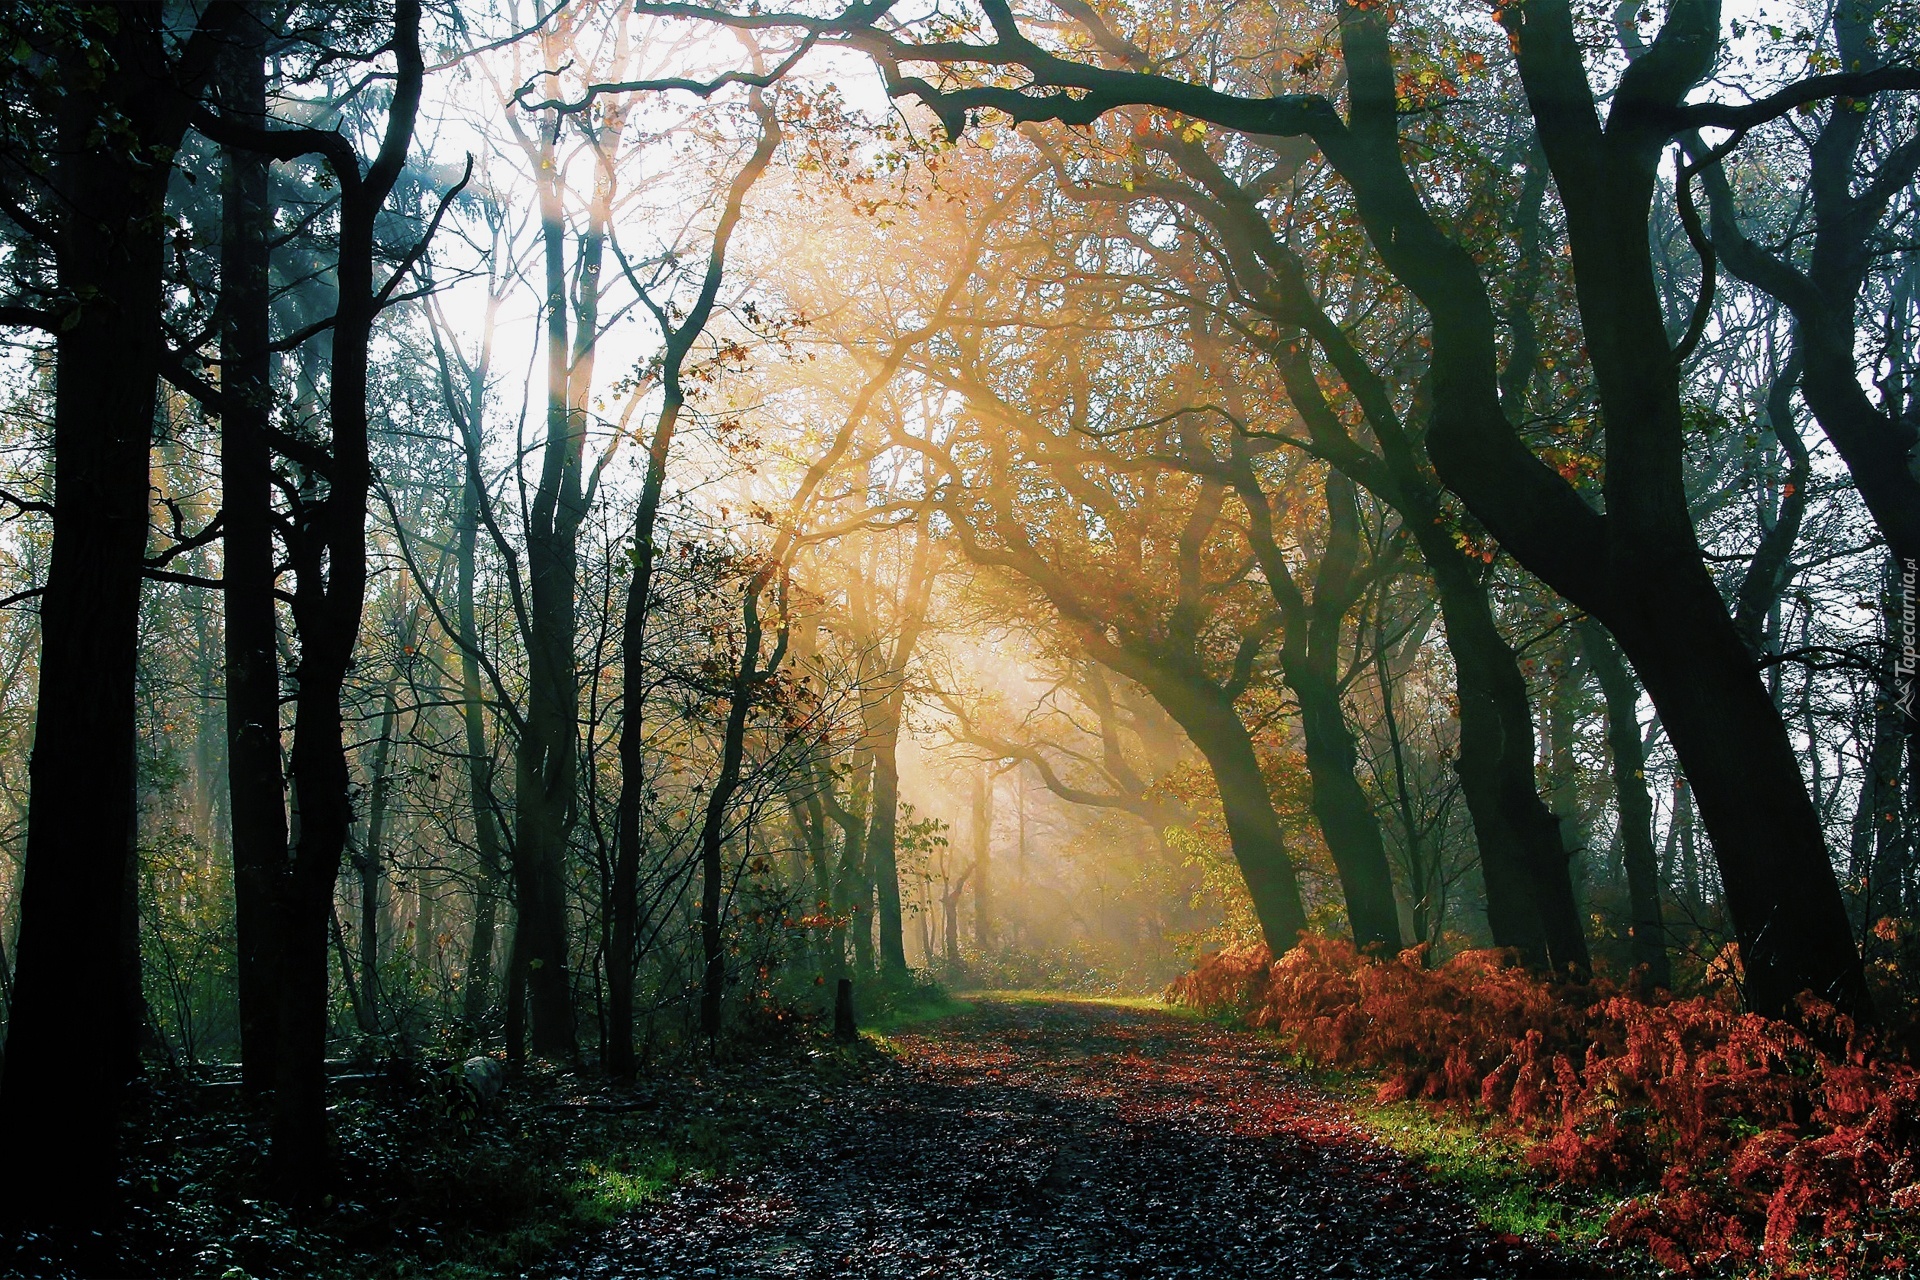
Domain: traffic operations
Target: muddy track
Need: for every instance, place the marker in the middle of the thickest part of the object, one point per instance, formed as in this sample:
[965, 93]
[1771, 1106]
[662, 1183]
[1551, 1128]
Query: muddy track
[1071, 1140]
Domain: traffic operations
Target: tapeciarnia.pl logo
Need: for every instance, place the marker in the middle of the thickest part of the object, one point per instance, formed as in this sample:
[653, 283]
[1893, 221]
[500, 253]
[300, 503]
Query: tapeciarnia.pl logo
[1908, 662]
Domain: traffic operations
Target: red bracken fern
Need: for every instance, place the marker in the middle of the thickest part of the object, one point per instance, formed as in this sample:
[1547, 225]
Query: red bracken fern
[1751, 1143]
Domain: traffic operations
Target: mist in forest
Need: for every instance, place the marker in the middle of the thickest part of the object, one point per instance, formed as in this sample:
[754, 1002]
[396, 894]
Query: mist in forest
[603, 537]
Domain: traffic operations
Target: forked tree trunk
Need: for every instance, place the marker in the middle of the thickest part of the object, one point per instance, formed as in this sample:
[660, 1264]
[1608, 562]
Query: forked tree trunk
[330, 563]
[1310, 655]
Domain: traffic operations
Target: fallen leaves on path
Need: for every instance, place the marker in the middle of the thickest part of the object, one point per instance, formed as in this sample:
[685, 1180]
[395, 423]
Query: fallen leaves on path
[1070, 1140]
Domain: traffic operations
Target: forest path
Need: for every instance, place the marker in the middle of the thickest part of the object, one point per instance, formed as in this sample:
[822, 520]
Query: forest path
[1071, 1139]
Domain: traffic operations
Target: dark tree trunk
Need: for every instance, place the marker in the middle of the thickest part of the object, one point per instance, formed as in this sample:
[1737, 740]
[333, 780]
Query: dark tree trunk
[1310, 656]
[255, 779]
[330, 563]
[1648, 932]
[1346, 816]
[72, 1035]
[880, 844]
[1771, 568]
[1253, 828]
[1879, 854]
[546, 762]
[516, 1020]
[625, 924]
[486, 829]
[623, 935]
[747, 680]
[1529, 896]
[885, 705]
[369, 863]
[1638, 568]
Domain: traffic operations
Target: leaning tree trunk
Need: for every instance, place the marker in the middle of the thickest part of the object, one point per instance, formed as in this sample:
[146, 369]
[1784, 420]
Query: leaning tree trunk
[713, 888]
[1638, 569]
[1207, 715]
[1530, 906]
[1310, 651]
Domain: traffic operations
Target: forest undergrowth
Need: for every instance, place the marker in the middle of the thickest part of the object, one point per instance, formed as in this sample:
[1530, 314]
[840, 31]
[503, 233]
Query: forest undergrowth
[1730, 1144]
[420, 1192]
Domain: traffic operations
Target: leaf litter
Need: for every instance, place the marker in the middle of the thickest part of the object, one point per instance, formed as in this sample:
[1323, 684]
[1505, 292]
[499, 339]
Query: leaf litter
[1070, 1140]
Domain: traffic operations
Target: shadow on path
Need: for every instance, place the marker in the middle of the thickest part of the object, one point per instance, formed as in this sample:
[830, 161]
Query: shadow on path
[1065, 1139]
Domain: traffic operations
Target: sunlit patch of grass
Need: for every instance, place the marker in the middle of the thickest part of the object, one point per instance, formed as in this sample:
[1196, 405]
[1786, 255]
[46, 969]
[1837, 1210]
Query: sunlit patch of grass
[911, 1012]
[1490, 1169]
[605, 1191]
[1148, 1003]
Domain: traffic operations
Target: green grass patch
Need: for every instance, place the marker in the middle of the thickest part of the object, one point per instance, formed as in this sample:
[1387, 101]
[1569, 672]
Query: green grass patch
[915, 1009]
[608, 1190]
[1489, 1168]
[1148, 1003]
[419, 1196]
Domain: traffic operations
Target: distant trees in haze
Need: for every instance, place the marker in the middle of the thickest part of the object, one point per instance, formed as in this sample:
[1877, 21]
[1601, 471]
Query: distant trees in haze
[567, 597]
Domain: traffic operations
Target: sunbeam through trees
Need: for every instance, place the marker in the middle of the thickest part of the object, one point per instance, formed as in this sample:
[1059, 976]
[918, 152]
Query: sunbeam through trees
[681, 637]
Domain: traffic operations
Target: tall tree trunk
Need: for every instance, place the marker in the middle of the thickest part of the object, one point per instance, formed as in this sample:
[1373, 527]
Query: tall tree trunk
[330, 563]
[369, 862]
[1529, 893]
[72, 1035]
[625, 924]
[883, 731]
[255, 780]
[546, 761]
[1638, 568]
[1345, 814]
[1529, 897]
[746, 681]
[848, 875]
[880, 844]
[1205, 710]
[982, 869]
[1879, 852]
[1647, 932]
[486, 830]
[1310, 655]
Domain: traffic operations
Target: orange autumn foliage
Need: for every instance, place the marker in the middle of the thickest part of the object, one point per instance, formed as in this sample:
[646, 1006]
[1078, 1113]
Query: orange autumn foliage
[1747, 1141]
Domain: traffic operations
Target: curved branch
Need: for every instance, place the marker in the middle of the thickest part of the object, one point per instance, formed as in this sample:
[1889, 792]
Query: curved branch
[1844, 84]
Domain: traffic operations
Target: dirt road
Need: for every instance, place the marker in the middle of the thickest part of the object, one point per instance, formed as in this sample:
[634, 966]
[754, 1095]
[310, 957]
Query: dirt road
[1071, 1140]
